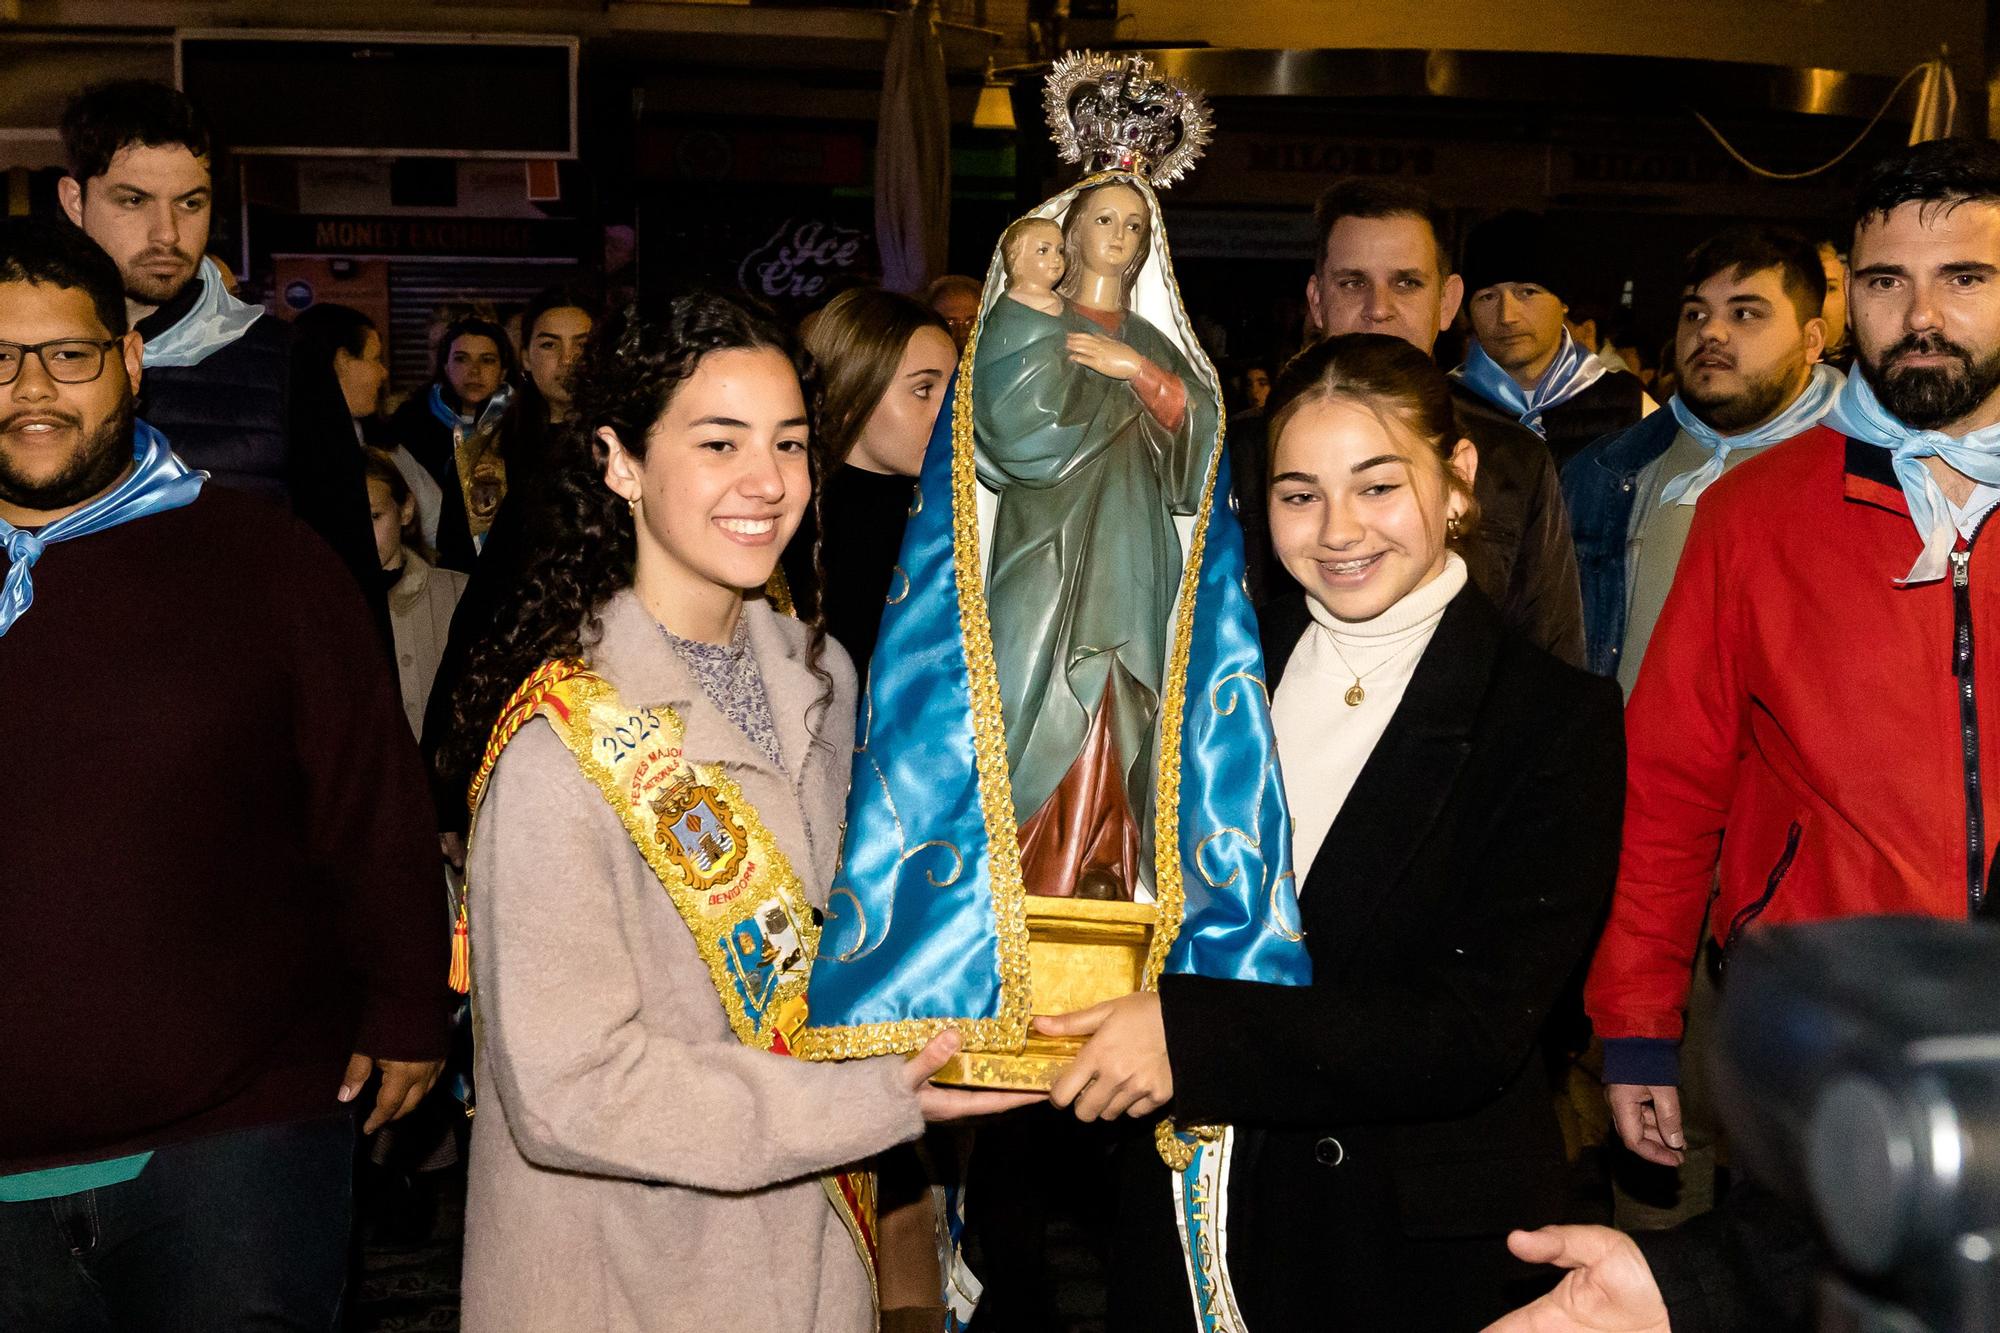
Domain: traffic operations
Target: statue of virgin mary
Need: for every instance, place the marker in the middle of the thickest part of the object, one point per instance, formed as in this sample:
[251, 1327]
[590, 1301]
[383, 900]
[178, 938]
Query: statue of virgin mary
[1067, 694]
[1066, 699]
[1092, 431]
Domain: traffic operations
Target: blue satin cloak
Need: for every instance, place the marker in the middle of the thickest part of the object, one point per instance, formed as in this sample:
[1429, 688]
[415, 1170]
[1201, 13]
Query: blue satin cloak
[913, 932]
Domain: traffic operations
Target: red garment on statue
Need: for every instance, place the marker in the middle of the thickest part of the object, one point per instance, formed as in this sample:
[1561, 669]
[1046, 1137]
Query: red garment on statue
[1162, 395]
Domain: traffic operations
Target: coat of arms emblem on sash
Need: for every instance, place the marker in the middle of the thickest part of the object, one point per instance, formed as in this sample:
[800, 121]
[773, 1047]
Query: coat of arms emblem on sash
[702, 836]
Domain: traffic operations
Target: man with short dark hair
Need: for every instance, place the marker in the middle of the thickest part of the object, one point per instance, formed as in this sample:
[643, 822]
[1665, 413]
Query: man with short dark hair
[221, 381]
[1523, 359]
[1381, 267]
[1747, 353]
[1811, 732]
[219, 913]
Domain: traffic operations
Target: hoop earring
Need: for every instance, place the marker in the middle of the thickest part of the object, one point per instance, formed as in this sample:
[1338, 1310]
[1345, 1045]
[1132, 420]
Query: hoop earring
[1454, 528]
[632, 507]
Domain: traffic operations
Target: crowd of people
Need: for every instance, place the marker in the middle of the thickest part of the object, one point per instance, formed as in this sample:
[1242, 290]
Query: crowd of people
[1575, 679]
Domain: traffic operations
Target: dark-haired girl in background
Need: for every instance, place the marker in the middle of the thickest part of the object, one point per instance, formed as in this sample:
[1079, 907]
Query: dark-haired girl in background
[1456, 795]
[555, 329]
[534, 434]
[635, 1164]
[884, 360]
[453, 428]
[347, 342]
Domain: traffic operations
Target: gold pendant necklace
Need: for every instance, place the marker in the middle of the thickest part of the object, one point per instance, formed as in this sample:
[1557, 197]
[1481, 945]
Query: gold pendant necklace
[1355, 694]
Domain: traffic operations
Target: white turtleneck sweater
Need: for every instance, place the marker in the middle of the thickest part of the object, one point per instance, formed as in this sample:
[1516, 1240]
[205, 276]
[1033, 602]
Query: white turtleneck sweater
[1322, 742]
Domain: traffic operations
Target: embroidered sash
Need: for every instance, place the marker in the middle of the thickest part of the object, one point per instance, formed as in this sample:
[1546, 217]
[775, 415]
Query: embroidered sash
[720, 867]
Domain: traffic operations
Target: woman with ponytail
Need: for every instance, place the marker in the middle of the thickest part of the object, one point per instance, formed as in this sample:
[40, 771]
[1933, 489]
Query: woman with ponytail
[661, 763]
[1455, 794]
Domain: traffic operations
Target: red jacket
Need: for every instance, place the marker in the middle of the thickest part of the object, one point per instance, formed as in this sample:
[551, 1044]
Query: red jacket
[1804, 721]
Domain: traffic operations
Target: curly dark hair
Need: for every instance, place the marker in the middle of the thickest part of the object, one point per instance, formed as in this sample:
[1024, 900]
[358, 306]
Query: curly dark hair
[580, 536]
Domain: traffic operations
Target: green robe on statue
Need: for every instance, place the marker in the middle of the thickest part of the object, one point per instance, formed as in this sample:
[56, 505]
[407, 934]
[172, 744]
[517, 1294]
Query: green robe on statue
[1085, 560]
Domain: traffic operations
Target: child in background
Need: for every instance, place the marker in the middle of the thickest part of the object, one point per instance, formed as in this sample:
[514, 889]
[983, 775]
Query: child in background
[421, 595]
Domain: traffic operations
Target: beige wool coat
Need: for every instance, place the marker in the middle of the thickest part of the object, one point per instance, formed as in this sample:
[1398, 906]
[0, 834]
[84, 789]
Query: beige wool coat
[634, 1167]
[420, 607]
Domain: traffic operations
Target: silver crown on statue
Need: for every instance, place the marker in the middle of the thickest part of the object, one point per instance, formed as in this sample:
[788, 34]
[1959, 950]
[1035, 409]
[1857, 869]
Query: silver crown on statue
[1112, 113]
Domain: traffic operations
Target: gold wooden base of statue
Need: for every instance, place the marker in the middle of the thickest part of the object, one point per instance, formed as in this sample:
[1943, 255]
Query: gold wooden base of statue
[1080, 952]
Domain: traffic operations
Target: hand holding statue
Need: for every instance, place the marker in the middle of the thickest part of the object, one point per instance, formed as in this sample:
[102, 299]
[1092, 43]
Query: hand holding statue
[940, 1104]
[1122, 1069]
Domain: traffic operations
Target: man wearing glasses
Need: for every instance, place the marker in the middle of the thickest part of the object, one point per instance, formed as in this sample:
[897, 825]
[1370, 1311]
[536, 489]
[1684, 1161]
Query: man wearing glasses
[218, 912]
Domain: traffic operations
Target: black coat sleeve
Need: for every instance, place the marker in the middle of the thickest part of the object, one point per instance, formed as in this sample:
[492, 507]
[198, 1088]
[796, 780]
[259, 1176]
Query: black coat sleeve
[1545, 597]
[1439, 1032]
[1748, 1264]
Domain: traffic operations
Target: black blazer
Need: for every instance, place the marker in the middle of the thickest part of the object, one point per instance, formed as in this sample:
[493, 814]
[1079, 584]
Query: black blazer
[1394, 1117]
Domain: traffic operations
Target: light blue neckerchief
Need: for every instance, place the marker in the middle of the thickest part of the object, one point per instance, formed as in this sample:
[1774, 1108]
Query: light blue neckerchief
[459, 426]
[1813, 402]
[159, 482]
[217, 320]
[1858, 414]
[1573, 371]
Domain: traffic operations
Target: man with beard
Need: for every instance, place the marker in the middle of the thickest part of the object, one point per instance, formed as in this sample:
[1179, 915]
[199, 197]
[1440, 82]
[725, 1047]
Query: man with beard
[1381, 267]
[221, 382]
[218, 915]
[1745, 354]
[1809, 727]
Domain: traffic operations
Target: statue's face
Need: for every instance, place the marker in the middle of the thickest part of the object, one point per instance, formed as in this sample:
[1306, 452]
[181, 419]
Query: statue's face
[1037, 260]
[1113, 227]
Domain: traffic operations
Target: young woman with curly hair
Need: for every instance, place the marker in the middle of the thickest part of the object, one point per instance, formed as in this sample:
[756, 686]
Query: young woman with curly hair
[657, 821]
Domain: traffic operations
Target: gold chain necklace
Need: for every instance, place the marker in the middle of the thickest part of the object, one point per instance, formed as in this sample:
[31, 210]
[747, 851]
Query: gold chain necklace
[1355, 694]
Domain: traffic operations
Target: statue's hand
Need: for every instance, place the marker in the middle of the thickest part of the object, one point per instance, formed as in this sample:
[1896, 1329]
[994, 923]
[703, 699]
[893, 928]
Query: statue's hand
[1106, 356]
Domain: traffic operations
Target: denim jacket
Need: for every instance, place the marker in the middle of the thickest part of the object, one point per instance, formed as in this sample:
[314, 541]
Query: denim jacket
[1599, 485]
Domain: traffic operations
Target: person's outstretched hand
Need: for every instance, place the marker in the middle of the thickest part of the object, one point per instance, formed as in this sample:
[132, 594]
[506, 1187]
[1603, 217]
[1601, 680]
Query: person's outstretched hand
[1609, 1287]
[954, 1103]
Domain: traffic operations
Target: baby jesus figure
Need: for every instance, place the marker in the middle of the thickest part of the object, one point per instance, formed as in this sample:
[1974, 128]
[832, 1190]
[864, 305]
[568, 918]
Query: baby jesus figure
[1031, 250]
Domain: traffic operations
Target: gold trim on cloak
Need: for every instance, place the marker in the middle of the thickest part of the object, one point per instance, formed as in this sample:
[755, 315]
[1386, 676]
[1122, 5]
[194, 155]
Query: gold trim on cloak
[1009, 1031]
